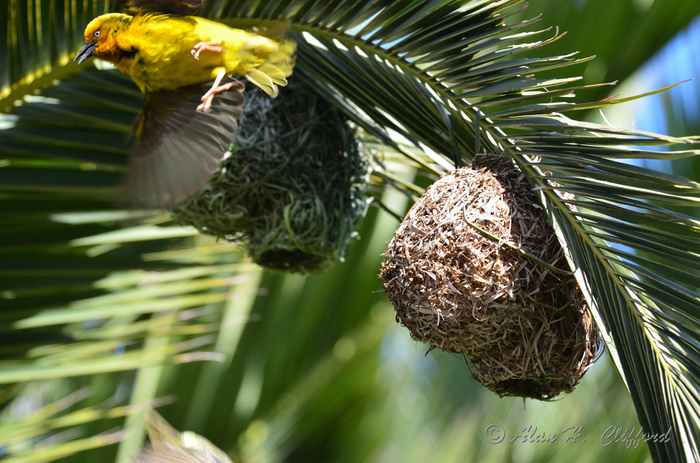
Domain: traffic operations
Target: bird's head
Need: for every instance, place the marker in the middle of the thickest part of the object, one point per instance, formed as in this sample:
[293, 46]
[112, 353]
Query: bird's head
[99, 36]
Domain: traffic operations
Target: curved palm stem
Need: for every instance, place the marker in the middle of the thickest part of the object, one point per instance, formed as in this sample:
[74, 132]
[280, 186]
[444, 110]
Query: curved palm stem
[448, 77]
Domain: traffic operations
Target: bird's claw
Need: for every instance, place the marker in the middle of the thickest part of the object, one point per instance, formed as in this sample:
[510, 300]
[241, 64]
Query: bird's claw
[208, 97]
[205, 107]
[213, 46]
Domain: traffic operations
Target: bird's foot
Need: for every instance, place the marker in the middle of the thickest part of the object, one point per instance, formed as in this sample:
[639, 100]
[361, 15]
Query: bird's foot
[208, 97]
[213, 46]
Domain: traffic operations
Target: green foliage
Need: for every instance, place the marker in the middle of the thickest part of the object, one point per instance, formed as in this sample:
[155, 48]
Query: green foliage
[634, 32]
[83, 294]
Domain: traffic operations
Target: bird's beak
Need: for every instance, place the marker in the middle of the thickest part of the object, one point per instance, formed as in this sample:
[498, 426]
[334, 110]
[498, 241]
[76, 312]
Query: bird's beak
[85, 52]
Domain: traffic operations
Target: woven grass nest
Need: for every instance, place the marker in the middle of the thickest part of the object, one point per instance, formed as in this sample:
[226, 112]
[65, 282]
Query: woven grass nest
[524, 330]
[293, 185]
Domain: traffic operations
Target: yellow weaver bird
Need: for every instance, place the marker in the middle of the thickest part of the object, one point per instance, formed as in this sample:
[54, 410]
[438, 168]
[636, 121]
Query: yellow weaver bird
[180, 62]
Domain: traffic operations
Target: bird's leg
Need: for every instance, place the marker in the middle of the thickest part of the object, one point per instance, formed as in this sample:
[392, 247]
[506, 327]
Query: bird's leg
[213, 46]
[208, 97]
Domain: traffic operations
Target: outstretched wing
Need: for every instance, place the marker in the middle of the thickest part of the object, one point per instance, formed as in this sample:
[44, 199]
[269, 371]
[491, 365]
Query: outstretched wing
[181, 7]
[170, 446]
[177, 149]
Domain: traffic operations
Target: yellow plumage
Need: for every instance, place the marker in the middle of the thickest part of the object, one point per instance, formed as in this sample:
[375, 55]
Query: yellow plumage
[155, 50]
[182, 131]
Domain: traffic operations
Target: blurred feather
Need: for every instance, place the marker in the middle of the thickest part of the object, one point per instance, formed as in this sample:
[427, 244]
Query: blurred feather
[170, 445]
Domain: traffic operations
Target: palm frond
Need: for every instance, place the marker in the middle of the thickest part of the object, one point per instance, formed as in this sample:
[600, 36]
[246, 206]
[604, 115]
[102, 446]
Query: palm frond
[88, 290]
[454, 79]
[389, 67]
[40, 43]
[634, 34]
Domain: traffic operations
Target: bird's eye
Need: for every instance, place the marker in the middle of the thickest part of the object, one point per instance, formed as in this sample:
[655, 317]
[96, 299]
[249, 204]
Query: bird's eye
[96, 34]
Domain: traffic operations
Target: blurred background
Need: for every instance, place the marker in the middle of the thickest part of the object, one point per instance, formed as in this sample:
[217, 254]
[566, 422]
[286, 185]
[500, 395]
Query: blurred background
[315, 368]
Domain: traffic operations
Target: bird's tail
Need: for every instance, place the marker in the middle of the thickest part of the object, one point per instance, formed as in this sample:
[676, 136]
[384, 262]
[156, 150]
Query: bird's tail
[278, 65]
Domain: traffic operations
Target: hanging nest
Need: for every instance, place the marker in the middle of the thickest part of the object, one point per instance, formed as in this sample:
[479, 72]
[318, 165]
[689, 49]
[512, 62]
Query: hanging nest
[525, 330]
[293, 186]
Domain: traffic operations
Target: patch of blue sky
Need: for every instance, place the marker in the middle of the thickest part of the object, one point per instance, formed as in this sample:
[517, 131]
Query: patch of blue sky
[676, 62]
[368, 36]
[674, 112]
